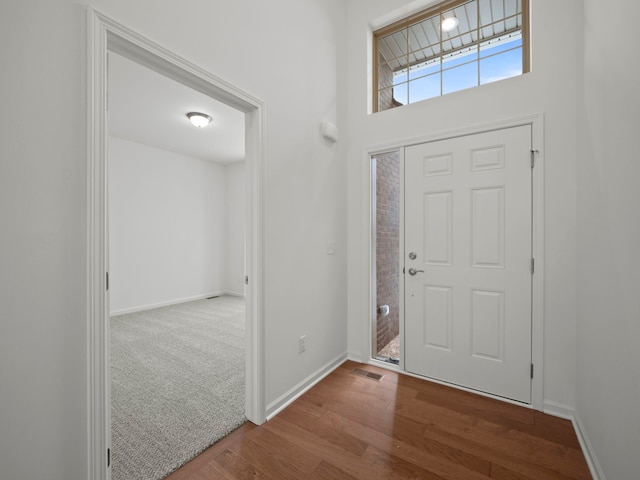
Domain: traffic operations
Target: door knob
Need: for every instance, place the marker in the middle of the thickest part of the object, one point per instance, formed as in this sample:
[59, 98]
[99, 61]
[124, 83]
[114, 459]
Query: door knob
[413, 271]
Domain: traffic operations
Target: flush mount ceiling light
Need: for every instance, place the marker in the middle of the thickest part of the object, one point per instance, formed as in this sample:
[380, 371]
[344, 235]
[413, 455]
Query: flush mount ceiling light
[449, 23]
[200, 120]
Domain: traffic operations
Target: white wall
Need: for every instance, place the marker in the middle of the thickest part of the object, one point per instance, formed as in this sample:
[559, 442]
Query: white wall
[169, 237]
[43, 358]
[608, 380]
[289, 53]
[235, 228]
[549, 89]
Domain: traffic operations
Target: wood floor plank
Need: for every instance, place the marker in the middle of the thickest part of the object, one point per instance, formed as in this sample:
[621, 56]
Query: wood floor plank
[326, 471]
[349, 427]
[199, 468]
[372, 464]
[508, 415]
[528, 448]
[313, 443]
[501, 459]
[343, 460]
[206, 471]
[388, 466]
[348, 405]
[499, 472]
[275, 455]
[445, 461]
[387, 389]
[238, 468]
[559, 429]
[315, 426]
[472, 404]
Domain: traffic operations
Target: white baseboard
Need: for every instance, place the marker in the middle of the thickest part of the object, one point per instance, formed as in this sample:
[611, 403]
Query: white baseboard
[164, 304]
[558, 410]
[355, 357]
[233, 294]
[568, 413]
[587, 448]
[290, 396]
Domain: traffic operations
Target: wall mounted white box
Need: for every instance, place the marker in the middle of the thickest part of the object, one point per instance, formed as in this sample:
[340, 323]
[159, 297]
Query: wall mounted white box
[329, 131]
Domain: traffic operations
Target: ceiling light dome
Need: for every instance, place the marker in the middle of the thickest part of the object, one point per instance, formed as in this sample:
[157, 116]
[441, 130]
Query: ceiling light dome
[200, 120]
[449, 23]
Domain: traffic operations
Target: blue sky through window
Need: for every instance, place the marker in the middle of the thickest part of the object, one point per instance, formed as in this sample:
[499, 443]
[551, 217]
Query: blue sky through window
[460, 71]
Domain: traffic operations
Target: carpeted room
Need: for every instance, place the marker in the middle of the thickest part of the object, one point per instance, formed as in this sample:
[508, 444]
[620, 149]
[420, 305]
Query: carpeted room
[177, 383]
[176, 255]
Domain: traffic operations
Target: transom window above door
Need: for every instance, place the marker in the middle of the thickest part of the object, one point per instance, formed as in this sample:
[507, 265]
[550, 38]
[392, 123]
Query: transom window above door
[451, 46]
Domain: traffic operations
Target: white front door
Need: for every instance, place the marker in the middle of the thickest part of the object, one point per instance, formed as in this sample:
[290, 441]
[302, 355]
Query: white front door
[468, 261]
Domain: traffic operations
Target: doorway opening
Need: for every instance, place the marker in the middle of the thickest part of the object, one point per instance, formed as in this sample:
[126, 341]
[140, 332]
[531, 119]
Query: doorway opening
[104, 36]
[385, 168]
[176, 263]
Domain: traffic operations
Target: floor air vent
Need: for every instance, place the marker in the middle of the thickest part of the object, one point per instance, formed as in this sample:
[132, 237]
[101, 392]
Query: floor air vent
[363, 373]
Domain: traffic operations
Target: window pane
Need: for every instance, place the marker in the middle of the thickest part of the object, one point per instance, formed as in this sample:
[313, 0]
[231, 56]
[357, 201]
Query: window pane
[426, 55]
[460, 57]
[511, 7]
[385, 99]
[394, 45]
[463, 33]
[467, 15]
[424, 34]
[460, 78]
[495, 16]
[498, 67]
[425, 70]
[401, 94]
[491, 10]
[487, 11]
[499, 46]
[513, 23]
[400, 77]
[385, 76]
[423, 88]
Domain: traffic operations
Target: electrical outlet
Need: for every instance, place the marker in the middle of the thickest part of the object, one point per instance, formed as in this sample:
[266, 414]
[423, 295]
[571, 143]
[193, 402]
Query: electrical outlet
[301, 344]
[331, 247]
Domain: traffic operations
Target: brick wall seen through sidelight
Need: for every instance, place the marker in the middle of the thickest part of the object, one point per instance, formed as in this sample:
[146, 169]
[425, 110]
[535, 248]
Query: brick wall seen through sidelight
[385, 79]
[387, 245]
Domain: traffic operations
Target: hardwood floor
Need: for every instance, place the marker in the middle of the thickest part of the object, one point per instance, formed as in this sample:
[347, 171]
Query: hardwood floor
[350, 427]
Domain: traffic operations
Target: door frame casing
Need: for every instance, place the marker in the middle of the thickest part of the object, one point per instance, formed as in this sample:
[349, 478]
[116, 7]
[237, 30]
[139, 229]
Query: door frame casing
[106, 35]
[536, 121]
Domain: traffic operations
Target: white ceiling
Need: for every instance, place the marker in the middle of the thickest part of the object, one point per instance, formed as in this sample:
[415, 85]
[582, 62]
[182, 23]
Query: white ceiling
[149, 108]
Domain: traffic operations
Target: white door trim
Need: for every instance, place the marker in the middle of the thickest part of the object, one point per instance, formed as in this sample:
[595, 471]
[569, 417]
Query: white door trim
[537, 334]
[105, 34]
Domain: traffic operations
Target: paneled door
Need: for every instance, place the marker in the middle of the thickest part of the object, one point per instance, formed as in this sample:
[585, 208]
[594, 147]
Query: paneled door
[468, 266]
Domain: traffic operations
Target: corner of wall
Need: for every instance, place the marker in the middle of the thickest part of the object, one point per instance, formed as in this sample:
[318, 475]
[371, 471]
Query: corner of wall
[559, 410]
[355, 357]
[569, 413]
[587, 448]
[298, 390]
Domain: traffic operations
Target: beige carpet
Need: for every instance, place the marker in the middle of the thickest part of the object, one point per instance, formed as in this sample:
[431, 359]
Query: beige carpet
[177, 384]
